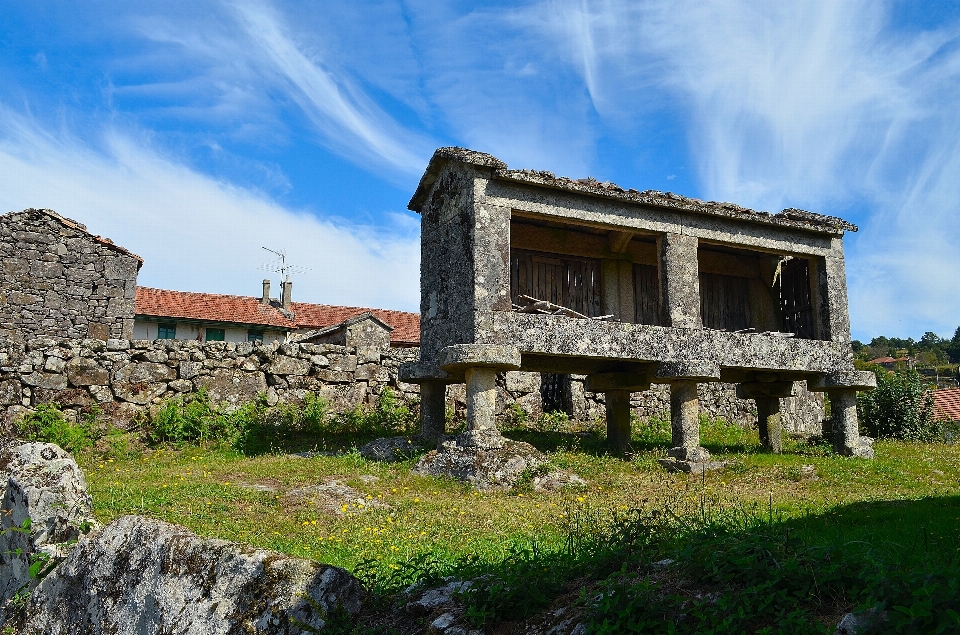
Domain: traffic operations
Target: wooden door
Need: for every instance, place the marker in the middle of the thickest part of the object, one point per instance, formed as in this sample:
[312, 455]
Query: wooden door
[570, 282]
[646, 292]
[725, 302]
[795, 298]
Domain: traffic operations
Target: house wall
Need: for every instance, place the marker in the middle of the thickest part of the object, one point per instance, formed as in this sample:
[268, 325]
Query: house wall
[58, 280]
[148, 330]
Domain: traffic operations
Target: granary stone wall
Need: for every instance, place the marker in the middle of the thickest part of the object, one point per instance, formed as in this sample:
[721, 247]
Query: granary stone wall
[124, 377]
[58, 279]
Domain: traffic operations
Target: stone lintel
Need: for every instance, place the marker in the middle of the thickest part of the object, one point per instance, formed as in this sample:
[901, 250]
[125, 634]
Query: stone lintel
[734, 375]
[427, 371]
[754, 390]
[688, 370]
[463, 356]
[849, 379]
[603, 382]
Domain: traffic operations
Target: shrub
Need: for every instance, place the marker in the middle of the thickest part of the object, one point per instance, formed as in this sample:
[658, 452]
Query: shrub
[389, 417]
[47, 424]
[901, 407]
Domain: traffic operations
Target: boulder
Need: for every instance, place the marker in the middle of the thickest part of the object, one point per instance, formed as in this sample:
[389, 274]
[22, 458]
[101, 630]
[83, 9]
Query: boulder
[139, 575]
[494, 463]
[42, 482]
[140, 382]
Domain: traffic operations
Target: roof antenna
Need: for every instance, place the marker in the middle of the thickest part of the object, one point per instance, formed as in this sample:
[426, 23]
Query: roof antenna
[283, 268]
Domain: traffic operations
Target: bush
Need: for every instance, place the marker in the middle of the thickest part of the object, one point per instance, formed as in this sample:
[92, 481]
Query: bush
[193, 419]
[47, 424]
[901, 407]
[389, 417]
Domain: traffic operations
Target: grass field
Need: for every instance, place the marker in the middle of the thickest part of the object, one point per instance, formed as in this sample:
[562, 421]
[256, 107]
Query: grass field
[899, 512]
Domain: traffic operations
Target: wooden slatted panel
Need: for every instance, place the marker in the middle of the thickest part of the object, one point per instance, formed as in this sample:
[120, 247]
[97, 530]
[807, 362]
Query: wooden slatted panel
[570, 282]
[795, 298]
[725, 302]
[646, 290]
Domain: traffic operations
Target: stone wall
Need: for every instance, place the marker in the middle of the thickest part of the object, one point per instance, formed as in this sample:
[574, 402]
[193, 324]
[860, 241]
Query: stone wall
[124, 377]
[58, 279]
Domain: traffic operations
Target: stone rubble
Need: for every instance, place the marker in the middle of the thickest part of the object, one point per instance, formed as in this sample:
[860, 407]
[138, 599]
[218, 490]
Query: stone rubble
[139, 575]
[497, 465]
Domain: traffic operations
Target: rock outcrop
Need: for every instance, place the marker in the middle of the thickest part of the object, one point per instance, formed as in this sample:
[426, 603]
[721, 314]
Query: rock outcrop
[139, 575]
[40, 482]
[494, 463]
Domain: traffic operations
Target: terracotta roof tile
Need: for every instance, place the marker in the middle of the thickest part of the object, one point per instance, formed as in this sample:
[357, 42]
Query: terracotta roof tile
[238, 309]
[215, 307]
[406, 326]
[946, 403]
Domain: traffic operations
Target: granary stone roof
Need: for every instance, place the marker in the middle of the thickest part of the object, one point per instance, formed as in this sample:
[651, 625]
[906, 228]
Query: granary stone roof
[239, 309]
[792, 218]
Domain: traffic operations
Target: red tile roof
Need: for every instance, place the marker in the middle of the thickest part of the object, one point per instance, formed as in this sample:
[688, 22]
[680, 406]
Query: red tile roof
[946, 403]
[406, 326]
[239, 309]
[213, 307]
[888, 360]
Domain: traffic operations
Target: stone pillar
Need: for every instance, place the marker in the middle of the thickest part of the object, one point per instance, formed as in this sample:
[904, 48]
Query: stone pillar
[618, 421]
[769, 424]
[481, 399]
[433, 410]
[685, 422]
[679, 281]
[842, 387]
[845, 426]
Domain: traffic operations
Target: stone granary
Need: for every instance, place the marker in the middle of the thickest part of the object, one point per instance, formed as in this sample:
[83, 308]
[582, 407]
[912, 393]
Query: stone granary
[525, 270]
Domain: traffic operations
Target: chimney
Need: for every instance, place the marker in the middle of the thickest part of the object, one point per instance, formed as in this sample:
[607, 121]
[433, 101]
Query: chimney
[286, 297]
[266, 292]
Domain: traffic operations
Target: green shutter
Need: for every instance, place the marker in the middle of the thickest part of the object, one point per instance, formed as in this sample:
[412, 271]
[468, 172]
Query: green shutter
[215, 335]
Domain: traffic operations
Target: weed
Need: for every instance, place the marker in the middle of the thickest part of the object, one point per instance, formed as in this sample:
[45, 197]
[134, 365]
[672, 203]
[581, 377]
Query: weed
[47, 423]
[901, 407]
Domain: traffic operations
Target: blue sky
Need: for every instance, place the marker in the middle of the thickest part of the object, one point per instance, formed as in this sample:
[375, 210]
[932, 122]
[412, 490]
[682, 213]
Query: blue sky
[196, 133]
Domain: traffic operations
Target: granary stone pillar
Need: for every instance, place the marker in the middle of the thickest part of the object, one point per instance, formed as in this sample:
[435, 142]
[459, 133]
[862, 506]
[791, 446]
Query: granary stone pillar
[480, 364]
[616, 389]
[679, 281]
[767, 395]
[433, 389]
[769, 423]
[481, 399]
[618, 421]
[842, 387]
[844, 423]
[685, 421]
[433, 410]
[683, 377]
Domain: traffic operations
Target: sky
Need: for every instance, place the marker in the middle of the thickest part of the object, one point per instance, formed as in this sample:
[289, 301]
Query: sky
[197, 133]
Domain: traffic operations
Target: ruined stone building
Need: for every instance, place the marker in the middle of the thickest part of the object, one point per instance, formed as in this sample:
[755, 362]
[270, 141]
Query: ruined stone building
[524, 270]
[59, 279]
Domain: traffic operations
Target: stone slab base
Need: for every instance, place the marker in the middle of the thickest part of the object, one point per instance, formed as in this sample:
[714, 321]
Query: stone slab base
[484, 467]
[692, 467]
[392, 449]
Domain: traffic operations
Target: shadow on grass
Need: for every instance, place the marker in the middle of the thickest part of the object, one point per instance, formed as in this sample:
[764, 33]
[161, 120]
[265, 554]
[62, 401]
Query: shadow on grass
[730, 570]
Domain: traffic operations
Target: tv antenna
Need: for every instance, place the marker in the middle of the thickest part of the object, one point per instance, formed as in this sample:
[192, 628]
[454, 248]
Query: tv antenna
[283, 267]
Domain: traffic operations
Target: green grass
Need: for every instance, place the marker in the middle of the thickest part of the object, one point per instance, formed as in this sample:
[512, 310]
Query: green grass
[899, 512]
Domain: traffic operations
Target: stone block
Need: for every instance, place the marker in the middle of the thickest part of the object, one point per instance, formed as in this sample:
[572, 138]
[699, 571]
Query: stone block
[45, 380]
[520, 382]
[232, 386]
[85, 371]
[344, 363]
[284, 365]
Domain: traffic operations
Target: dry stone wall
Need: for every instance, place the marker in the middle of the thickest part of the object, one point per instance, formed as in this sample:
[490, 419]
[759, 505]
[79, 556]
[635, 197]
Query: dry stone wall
[58, 279]
[124, 377]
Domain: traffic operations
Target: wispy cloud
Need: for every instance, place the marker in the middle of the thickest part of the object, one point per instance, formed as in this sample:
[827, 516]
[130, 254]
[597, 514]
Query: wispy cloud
[348, 120]
[196, 233]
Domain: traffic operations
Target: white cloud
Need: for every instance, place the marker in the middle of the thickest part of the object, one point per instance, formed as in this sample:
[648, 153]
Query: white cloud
[198, 234]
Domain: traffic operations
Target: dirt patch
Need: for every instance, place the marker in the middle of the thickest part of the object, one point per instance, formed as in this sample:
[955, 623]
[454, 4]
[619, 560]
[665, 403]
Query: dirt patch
[332, 496]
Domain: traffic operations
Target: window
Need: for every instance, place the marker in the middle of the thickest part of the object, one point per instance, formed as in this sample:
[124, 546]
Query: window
[166, 331]
[215, 335]
[254, 336]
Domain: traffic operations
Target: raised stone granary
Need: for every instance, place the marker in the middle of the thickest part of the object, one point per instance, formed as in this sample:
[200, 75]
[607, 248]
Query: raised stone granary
[525, 270]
